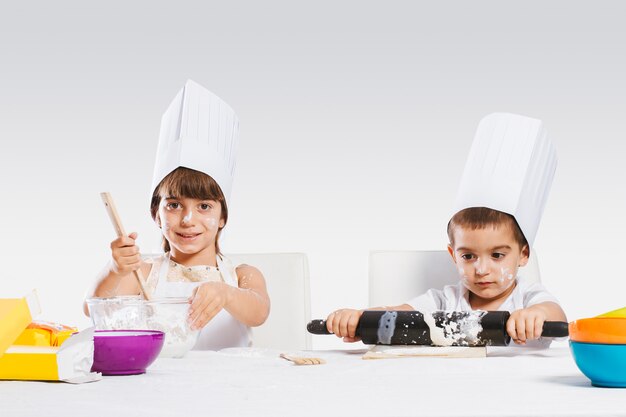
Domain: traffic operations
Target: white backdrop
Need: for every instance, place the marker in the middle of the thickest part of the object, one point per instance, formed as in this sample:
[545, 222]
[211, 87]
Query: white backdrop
[356, 118]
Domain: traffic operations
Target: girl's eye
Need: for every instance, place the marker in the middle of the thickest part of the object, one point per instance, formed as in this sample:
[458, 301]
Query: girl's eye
[205, 206]
[497, 255]
[173, 206]
[467, 256]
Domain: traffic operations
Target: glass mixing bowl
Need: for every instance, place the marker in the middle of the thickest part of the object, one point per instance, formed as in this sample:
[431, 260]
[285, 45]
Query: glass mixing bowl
[168, 315]
[118, 313]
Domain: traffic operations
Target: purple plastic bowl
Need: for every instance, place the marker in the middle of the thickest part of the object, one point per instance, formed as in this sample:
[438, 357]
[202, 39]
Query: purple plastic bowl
[125, 352]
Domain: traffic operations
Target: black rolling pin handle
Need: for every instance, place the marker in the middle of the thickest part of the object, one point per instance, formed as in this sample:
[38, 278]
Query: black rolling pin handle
[555, 329]
[317, 327]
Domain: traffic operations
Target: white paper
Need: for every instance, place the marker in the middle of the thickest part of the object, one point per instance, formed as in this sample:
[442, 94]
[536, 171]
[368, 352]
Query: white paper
[75, 358]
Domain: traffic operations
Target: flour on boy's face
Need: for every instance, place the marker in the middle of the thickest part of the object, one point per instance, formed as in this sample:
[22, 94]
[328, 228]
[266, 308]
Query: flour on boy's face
[487, 260]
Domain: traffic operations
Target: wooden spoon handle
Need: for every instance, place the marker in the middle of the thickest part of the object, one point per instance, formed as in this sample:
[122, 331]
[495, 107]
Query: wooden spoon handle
[119, 229]
[303, 361]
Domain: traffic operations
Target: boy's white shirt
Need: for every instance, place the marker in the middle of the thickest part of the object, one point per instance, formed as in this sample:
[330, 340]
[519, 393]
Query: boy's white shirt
[456, 298]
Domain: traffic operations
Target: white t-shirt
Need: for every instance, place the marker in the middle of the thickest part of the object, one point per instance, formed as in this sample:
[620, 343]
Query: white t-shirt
[456, 298]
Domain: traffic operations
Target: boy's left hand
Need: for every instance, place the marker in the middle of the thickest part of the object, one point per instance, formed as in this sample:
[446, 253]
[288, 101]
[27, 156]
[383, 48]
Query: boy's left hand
[526, 324]
[207, 300]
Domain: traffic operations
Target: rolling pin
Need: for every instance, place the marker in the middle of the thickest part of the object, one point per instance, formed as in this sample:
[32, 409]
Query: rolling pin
[439, 328]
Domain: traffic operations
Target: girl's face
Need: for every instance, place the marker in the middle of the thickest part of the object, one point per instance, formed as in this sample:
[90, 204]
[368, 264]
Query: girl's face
[487, 260]
[190, 225]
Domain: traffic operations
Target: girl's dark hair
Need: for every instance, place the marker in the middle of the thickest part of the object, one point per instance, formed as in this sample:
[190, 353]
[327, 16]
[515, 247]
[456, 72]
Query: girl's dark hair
[189, 183]
[480, 217]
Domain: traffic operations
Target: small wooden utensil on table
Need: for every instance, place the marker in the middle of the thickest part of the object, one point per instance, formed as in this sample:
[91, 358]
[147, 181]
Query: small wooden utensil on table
[119, 229]
[298, 360]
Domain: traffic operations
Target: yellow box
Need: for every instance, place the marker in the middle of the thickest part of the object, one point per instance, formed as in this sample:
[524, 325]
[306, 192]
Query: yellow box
[15, 315]
[70, 362]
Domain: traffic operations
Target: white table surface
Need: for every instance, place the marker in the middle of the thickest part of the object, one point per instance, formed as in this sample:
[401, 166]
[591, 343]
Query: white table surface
[255, 382]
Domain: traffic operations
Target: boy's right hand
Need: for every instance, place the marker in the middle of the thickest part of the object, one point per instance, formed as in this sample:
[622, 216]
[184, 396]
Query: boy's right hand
[343, 323]
[126, 257]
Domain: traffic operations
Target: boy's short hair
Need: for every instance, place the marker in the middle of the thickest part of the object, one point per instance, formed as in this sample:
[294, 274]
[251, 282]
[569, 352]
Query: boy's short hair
[189, 183]
[480, 217]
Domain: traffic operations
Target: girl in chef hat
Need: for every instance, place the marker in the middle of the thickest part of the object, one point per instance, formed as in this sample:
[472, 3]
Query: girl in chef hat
[191, 185]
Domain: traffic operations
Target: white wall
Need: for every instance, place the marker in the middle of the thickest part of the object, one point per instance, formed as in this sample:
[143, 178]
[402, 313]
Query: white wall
[356, 118]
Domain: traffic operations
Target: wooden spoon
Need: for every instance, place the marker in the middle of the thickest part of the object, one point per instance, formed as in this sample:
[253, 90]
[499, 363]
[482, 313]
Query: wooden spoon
[119, 229]
[303, 361]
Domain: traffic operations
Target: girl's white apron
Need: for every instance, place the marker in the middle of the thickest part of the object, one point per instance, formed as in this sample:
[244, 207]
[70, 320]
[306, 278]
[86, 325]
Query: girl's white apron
[223, 330]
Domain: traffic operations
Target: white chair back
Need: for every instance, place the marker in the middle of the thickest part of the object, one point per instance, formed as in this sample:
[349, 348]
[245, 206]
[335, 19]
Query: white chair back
[287, 278]
[397, 276]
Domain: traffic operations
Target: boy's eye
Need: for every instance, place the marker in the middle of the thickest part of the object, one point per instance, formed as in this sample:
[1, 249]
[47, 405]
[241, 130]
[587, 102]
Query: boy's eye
[173, 206]
[467, 256]
[205, 206]
[497, 255]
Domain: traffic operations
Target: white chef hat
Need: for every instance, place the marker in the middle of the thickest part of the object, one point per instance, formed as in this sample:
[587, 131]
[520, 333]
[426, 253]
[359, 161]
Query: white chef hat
[510, 168]
[201, 132]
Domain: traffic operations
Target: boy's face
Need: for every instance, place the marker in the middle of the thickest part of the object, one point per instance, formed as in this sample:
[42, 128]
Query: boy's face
[487, 260]
[190, 225]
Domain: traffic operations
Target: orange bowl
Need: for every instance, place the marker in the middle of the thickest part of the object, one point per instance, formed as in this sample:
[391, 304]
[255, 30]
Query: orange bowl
[607, 330]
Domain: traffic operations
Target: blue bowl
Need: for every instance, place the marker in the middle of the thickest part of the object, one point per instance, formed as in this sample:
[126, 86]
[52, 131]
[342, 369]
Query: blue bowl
[603, 364]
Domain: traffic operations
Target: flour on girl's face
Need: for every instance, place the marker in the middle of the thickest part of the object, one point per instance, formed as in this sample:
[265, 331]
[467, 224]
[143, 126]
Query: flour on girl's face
[211, 223]
[165, 224]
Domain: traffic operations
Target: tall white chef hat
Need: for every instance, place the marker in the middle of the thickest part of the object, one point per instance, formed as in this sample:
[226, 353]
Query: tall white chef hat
[510, 168]
[201, 132]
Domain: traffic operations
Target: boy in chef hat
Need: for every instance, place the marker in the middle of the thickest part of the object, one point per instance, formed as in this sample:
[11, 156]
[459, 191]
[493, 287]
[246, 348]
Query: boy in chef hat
[501, 198]
[191, 186]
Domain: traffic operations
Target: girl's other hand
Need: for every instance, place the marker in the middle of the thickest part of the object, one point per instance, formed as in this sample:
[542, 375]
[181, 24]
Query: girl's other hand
[207, 300]
[125, 253]
[343, 323]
